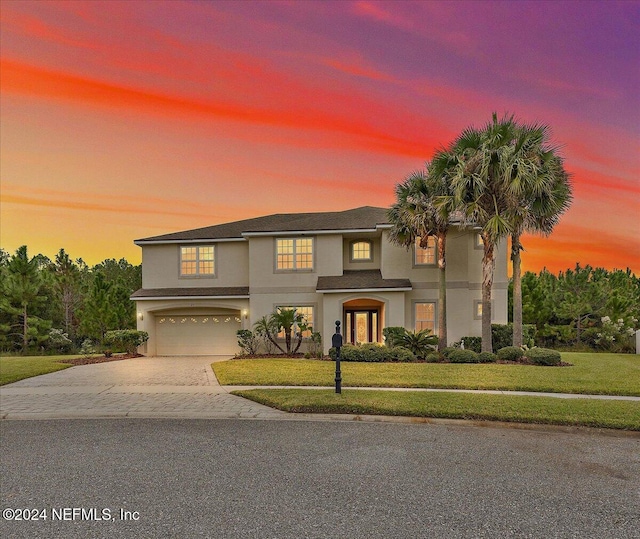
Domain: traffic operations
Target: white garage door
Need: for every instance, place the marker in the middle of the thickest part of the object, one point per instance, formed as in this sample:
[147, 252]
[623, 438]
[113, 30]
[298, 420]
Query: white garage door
[197, 335]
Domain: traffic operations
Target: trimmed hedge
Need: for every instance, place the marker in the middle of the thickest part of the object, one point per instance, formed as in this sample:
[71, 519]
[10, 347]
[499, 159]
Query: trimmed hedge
[510, 353]
[372, 353]
[487, 357]
[463, 356]
[433, 357]
[472, 343]
[502, 335]
[543, 356]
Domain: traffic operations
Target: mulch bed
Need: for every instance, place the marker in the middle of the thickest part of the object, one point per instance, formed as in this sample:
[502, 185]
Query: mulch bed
[98, 359]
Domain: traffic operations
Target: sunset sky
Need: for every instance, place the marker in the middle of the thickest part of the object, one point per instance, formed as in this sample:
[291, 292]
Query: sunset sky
[122, 120]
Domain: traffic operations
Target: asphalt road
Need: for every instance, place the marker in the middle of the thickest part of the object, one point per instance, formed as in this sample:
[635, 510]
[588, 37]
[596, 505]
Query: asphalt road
[297, 479]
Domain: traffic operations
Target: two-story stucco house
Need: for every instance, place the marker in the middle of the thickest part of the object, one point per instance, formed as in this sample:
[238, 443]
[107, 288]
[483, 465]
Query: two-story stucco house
[200, 286]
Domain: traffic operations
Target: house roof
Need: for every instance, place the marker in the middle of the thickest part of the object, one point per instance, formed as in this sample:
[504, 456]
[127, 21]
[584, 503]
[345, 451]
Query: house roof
[360, 280]
[174, 293]
[363, 218]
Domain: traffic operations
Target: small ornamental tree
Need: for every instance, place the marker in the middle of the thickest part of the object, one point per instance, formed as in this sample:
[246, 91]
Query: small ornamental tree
[126, 339]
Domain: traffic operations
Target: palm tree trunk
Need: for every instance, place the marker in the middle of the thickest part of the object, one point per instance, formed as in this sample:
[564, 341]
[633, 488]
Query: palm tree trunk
[516, 247]
[487, 283]
[442, 294]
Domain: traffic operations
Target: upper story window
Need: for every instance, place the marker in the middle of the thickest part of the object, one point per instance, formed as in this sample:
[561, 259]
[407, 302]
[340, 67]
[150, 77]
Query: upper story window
[362, 250]
[425, 256]
[197, 260]
[294, 254]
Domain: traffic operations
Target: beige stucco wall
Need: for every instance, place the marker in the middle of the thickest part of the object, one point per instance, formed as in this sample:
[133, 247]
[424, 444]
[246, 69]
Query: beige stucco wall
[161, 266]
[348, 264]
[252, 263]
[264, 277]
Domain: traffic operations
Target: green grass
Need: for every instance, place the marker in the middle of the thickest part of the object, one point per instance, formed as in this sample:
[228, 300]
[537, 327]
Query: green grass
[16, 368]
[523, 409]
[604, 374]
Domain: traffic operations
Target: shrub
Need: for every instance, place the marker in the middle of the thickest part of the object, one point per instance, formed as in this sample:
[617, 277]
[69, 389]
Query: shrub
[419, 342]
[372, 353]
[487, 357]
[315, 345]
[463, 356]
[351, 352]
[399, 353]
[392, 335]
[433, 357]
[59, 340]
[472, 343]
[543, 356]
[87, 349]
[502, 335]
[510, 353]
[447, 351]
[248, 341]
[126, 339]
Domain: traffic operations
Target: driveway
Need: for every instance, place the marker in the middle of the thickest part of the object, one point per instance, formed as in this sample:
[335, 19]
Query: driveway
[154, 387]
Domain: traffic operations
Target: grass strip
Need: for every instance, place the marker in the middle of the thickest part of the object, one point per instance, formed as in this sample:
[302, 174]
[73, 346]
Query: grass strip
[599, 374]
[17, 368]
[510, 408]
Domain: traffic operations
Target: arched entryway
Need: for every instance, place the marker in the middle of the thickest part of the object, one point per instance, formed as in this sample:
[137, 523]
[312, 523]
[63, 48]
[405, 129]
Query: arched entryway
[363, 320]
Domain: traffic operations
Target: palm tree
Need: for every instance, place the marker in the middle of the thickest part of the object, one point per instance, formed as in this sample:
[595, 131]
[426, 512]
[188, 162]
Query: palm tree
[540, 191]
[415, 216]
[288, 321]
[478, 192]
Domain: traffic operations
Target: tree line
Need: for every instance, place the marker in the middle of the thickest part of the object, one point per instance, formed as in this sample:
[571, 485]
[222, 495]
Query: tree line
[583, 307]
[57, 305]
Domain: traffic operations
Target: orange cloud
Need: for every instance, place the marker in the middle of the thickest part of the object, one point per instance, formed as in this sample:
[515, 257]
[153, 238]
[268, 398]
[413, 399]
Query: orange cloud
[571, 243]
[19, 78]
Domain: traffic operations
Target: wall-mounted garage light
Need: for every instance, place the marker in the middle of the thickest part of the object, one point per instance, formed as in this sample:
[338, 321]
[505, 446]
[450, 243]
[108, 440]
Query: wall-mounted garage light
[140, 317]
[244, 313]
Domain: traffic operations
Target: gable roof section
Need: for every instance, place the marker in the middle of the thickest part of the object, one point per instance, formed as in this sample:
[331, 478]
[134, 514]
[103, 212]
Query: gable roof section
[361, 280]
[364, 218]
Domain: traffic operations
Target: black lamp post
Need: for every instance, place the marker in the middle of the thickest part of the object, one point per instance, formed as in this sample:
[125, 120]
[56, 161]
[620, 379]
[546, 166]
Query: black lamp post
[336, 342]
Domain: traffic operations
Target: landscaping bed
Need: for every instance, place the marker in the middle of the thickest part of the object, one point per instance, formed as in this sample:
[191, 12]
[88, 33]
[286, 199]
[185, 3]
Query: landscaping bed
[90, 360]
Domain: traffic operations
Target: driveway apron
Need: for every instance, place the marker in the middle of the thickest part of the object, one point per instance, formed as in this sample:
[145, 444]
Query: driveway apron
[153, 387]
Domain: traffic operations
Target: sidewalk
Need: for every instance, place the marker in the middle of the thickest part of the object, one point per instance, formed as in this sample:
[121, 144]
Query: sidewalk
[422, 389]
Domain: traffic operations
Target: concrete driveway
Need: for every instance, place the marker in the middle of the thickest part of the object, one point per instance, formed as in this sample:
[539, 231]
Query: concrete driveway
[153, 387]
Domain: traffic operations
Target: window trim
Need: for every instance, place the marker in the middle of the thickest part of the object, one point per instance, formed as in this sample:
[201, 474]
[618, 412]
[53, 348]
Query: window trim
[276, 269]
[435, 314]
[417, 264]
[197, 274]
[352, 244]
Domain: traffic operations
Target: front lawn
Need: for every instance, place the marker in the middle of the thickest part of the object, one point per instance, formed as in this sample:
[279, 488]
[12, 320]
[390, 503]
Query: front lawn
[479, 407]
[16, 368]
[605, 374]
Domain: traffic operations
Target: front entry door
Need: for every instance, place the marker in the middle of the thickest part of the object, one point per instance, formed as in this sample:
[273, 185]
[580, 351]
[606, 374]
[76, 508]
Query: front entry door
[361, 325]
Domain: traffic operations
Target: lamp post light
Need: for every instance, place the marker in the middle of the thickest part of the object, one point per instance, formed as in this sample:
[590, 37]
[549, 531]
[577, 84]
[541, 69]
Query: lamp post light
[336, 342]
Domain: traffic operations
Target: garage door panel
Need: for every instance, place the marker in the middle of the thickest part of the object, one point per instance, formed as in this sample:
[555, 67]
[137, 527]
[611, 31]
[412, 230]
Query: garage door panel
[197, 335]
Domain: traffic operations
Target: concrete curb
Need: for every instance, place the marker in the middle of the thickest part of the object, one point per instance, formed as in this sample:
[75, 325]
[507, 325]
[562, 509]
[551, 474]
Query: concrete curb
[442, 390]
